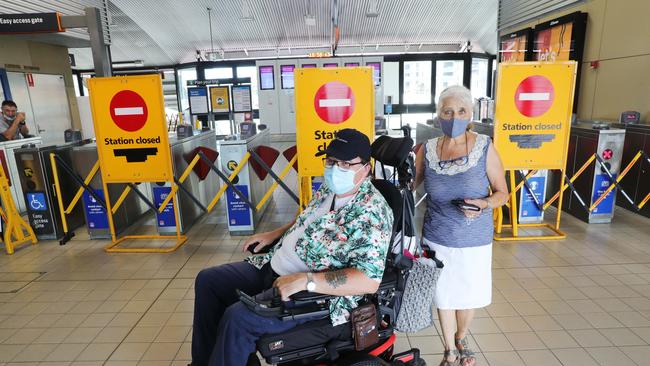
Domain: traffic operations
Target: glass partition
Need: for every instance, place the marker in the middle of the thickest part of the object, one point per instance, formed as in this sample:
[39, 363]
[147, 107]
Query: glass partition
[448, 73]
[417, 82]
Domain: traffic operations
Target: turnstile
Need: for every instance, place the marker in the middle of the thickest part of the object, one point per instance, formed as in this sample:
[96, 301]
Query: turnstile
[586, 139]
[637, 180]
[242, 220]
[11, 171]
[37, 182]
[194, 193]
[130, 211]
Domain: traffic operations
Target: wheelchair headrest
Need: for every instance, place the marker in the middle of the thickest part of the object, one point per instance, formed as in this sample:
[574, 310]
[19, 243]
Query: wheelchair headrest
[393, 198]
[391, 151]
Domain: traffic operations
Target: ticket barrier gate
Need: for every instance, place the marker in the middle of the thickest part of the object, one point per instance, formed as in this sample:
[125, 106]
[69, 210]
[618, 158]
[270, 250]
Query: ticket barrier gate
[604, 146]
[637, 181]
[194, 189]
[38, 185]
[84, 164]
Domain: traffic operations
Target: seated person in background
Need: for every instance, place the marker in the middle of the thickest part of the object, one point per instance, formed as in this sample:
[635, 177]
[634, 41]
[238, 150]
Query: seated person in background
[336, 246]
[12, 122]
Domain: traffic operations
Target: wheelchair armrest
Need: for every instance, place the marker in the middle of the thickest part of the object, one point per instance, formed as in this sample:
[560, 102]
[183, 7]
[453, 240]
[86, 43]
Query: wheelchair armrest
[265, 249]
[306, 296]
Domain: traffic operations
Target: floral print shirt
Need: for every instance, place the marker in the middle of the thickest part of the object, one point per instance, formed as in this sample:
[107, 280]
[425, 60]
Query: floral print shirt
[356, 235]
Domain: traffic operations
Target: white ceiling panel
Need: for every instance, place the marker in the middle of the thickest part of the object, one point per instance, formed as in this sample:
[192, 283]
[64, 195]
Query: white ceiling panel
[166, 32]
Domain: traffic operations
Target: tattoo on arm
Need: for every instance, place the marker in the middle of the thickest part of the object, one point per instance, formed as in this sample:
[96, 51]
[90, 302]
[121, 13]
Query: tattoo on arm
[336, 278]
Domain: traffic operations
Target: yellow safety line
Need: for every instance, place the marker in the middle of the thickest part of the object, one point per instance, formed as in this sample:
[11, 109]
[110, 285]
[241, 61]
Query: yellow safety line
[174, 189]
[232, 176]
[275, 184]
[616, 181]
[57, 188]
[77, 196]
[121, 199]
[566, 185]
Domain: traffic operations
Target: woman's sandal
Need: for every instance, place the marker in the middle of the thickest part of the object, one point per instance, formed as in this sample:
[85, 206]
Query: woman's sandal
[445, 358]
[467, 356]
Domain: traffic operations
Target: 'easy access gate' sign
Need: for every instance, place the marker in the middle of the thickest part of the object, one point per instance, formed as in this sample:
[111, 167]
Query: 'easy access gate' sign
[329, 100]
[533, 114]
[129, 119]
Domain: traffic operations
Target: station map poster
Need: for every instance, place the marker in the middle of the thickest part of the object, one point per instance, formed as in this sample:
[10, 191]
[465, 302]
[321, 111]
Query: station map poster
[241, 99]
[533, 114]
[220, 99]
[131, 128]
[198, 98]
[267, 81]
[328, 100]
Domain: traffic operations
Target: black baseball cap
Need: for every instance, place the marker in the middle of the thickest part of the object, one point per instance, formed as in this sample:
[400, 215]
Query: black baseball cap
[348, 144]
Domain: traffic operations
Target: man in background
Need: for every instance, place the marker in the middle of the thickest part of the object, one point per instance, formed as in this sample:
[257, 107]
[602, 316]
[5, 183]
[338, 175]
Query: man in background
[12, 121]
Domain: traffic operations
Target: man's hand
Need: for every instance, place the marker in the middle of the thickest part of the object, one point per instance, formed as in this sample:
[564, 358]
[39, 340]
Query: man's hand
[259, 241]
[291, 284]
[20, 117]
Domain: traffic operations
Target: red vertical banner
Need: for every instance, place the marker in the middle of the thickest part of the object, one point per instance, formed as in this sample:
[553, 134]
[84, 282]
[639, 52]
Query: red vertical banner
[30, 80]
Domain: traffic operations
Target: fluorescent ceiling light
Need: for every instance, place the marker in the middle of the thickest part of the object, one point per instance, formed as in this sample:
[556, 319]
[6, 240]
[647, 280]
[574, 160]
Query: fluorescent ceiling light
[246, 13]
[125, 64]
[373, 11]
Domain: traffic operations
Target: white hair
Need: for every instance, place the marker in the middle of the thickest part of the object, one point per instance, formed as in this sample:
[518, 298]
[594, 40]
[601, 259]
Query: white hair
[458, 92]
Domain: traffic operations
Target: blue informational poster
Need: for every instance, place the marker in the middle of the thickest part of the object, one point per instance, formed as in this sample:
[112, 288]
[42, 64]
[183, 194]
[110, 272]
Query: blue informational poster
[239, 213]
[95, 213]
[315, 186]
[166, 218]
[528, 207]
[388, 108]
[601, 184]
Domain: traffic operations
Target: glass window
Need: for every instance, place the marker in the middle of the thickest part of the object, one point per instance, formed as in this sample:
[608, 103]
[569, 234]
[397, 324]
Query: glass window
[218, 73]
[249, 72]
[185, 75]
[412, 119]
[479, 77]
[75, 82]
[448, 73]
[393, 121]
[391, 82]
[417, 82]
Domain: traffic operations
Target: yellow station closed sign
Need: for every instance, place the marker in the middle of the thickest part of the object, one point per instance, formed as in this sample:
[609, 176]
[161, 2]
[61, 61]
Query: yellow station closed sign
[327, 101]
[130, 127]
[533, 114]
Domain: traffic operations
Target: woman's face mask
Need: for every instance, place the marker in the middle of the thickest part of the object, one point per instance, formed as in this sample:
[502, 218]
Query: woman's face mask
[338, 180]
[453, 127]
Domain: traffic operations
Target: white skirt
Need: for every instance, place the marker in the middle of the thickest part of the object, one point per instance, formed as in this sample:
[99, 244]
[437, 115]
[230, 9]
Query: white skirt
[466, 279]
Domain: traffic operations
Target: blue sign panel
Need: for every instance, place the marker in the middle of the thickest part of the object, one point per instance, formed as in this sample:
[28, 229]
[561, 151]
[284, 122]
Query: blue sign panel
[239, 213]
[36, 201]
[166, 218]
[95, 214]
[528, 207]
[315, 186]
[606, 206]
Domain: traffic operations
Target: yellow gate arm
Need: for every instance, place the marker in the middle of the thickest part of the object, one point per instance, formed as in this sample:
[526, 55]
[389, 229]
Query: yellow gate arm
[232, 176]
[174, 189]
[615, 183]
[275, 184]
[566, 185]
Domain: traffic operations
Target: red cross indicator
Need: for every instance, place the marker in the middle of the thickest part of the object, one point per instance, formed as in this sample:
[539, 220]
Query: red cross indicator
[608, 154]
[534, 96]
[128, 110]
[334, 102]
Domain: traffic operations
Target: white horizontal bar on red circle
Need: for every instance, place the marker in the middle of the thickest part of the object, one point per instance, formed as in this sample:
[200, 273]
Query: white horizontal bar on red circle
[323, 103]
[129, 111]
[534, 96]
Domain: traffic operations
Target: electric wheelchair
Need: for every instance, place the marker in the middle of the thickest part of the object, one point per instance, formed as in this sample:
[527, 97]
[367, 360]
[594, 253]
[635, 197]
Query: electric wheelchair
[318, 342]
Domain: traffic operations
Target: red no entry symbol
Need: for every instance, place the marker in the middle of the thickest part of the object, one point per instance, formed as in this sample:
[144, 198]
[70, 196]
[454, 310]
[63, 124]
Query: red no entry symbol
[128, 110]
[334, 102]
[534, 96]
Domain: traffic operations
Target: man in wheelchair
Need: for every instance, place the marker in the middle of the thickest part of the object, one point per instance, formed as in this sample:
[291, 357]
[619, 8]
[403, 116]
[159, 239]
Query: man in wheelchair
[336, 246]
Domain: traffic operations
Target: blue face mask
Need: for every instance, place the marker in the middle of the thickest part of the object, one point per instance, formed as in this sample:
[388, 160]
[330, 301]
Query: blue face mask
[340, 181]
[9, 119]
[453, 127]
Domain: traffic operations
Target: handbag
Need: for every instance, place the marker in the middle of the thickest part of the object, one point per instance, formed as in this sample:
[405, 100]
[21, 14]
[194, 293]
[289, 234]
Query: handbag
[415, 313]
[364, 326]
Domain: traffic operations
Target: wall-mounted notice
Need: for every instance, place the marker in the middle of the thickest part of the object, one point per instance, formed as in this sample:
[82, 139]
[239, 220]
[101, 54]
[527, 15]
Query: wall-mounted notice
[286, 76]
[267, 81]
[241, 98]
[376, 72]
[220, 99]
[198, 100]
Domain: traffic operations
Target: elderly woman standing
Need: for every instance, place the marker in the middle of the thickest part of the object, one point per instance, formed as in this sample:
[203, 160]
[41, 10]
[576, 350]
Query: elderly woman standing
[460, 165]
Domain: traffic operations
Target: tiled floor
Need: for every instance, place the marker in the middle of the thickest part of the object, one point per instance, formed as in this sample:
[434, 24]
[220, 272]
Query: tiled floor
[584, 300]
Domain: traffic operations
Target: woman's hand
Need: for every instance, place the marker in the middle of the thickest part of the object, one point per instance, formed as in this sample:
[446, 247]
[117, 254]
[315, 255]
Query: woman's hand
[259, 241]
[291, 284]
[480, 203]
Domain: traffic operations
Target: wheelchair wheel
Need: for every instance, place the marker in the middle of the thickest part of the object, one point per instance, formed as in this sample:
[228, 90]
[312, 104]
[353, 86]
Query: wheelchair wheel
[360, 359]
